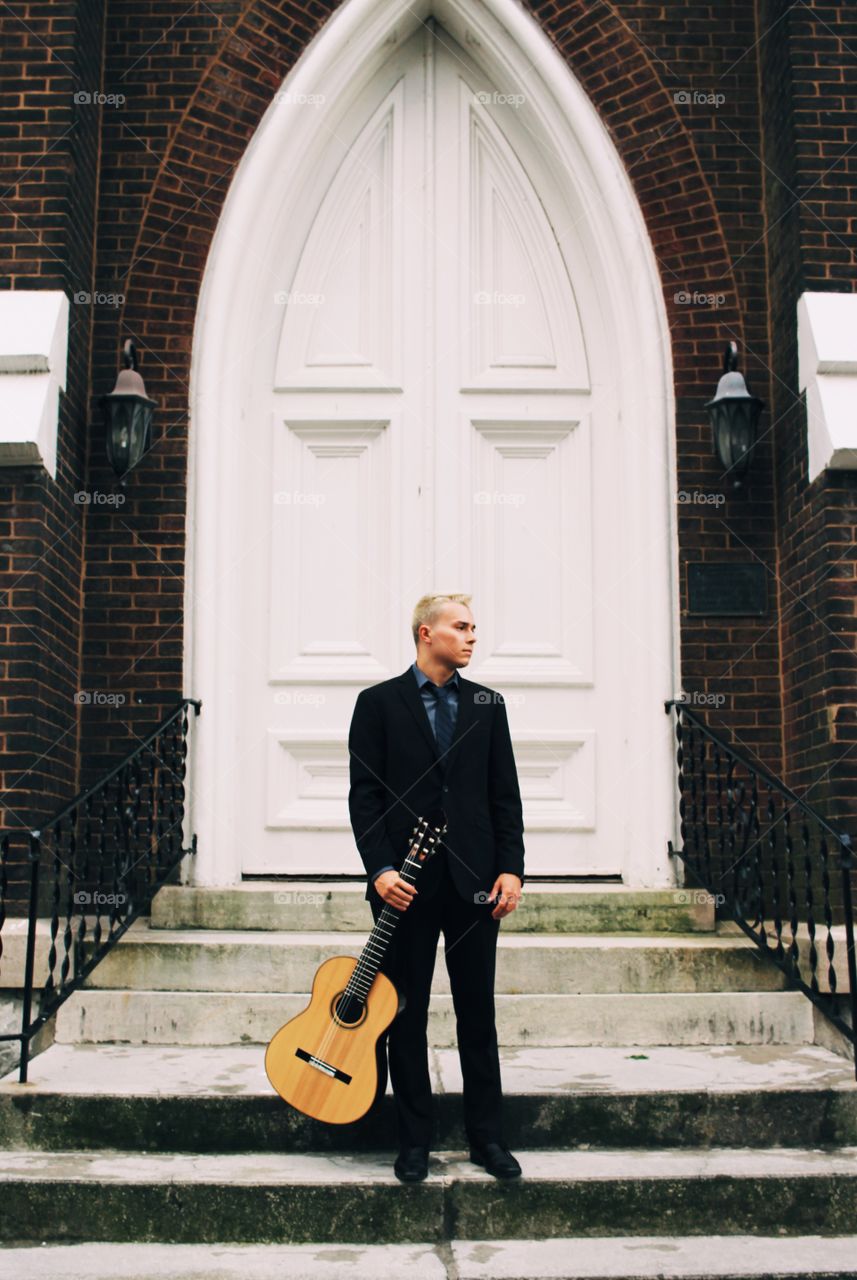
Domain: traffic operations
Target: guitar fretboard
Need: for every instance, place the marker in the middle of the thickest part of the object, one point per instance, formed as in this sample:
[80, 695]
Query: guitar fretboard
[379, 939]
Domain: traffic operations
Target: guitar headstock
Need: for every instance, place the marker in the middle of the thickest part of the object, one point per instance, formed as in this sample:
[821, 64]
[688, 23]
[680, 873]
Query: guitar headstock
[427, 834]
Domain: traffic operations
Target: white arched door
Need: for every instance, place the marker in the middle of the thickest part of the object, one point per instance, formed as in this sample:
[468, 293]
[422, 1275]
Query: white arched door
[431, 403]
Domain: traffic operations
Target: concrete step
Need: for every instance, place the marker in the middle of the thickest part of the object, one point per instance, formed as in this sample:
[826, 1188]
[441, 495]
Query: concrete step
[289, 1197]
[210, 1100]
[317, 905]
[740, 1257]
[231, 960]
[92, 1016]
[724, 959]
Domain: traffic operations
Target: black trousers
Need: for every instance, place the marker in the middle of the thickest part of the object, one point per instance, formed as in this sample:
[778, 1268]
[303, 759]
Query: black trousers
[470, 938]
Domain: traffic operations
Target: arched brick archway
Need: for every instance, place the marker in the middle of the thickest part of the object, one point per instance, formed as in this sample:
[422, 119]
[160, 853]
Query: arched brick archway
[625, 397]
[621, 79]
[183, 207]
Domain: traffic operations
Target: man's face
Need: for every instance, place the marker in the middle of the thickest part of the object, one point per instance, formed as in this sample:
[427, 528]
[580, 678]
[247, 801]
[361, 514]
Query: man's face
[453, 635]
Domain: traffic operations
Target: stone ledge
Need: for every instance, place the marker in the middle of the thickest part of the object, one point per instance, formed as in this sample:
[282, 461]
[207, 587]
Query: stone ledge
[577, 1258]
[285, 1197]
[33, 358]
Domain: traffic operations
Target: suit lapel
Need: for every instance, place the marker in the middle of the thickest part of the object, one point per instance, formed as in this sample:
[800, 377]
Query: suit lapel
[413, 698]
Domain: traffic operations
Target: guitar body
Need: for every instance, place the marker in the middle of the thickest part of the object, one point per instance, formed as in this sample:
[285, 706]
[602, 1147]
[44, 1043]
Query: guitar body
[325, 1068]
[327, 1061]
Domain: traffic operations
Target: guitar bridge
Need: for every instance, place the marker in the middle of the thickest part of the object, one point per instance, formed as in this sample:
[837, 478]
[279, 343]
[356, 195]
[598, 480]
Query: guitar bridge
[321, 1065]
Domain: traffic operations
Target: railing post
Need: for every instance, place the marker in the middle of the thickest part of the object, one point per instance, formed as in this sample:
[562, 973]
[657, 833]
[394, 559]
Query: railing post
[29, 964]
[847, 903]
[741, 834]
[65, 824]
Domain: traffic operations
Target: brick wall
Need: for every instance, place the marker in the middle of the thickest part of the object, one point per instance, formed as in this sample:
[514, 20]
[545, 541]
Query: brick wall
[164, 175]
[809, 80]
[215, 75]
[700, 100]
[47, 222]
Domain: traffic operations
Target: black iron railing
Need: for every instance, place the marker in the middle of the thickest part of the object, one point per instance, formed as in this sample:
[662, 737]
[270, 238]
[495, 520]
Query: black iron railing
[96, 867]
[780, 871]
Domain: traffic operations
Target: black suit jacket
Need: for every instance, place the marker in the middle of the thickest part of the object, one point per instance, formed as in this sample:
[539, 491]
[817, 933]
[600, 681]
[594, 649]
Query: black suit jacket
[397, 776]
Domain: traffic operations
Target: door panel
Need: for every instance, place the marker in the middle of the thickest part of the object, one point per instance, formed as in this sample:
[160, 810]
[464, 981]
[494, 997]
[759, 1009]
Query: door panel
[433, 424]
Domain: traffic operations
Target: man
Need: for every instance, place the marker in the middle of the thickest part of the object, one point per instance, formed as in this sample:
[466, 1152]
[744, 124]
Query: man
[425, 743]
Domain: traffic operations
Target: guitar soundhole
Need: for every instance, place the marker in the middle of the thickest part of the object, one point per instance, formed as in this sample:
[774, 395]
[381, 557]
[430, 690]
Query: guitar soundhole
[348, 1011]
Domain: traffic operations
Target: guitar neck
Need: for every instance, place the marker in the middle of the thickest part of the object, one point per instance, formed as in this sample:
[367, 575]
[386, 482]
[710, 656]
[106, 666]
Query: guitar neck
[380, 938]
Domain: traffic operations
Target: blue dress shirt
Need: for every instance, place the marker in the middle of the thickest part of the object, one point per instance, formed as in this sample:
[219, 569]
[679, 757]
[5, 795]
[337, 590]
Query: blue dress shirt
[430, 704]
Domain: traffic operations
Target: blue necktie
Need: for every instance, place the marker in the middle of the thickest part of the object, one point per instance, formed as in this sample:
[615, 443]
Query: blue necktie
[442, 717]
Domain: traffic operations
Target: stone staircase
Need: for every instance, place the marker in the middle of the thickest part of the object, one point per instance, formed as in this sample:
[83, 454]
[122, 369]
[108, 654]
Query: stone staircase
[676, 1110]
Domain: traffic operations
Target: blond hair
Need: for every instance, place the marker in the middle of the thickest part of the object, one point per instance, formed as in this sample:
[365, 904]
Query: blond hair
[428, 608]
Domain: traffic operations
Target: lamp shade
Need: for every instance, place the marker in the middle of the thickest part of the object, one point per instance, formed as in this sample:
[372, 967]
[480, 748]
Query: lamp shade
[734, 416]
[128, 413]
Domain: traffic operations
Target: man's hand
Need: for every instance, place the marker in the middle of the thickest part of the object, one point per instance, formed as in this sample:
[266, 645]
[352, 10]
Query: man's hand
[508, 887]
[395, 891]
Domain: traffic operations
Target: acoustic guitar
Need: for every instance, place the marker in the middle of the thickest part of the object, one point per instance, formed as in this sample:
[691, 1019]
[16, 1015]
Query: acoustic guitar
[327, 1061]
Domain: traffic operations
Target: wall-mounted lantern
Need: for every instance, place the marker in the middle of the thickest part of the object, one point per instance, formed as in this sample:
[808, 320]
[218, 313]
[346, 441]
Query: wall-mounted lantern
[127, 416]
[734, 416]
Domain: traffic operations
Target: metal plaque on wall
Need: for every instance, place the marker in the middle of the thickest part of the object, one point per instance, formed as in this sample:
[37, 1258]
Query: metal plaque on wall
[727, 587]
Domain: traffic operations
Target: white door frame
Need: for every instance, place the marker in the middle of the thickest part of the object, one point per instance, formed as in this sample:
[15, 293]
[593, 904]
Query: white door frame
[514, 51]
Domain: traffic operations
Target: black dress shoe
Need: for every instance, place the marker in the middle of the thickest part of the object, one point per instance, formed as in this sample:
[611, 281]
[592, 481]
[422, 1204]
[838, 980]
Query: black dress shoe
[496, 1159]
[411, 1164]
